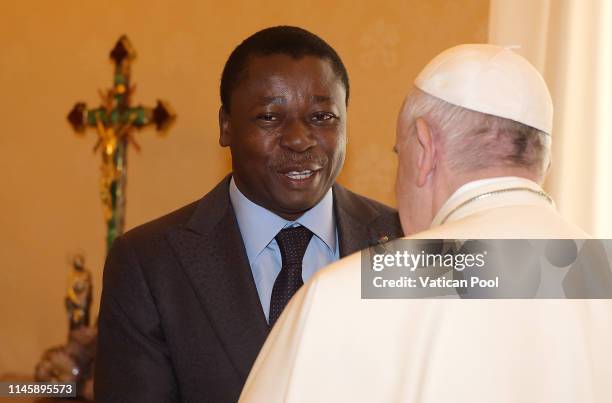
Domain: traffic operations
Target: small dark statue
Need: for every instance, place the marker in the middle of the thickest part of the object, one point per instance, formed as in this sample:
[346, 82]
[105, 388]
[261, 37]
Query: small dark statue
[74, 361]
[78, 297]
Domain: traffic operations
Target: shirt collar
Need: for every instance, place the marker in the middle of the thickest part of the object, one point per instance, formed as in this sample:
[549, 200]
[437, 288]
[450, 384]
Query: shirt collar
[259, 226]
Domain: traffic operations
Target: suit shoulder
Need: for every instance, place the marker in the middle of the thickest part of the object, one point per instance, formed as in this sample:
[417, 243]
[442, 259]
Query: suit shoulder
[212, 204]
[358, 201]
[378, 206]
[377, 216]
[362, 205]
[160, 226]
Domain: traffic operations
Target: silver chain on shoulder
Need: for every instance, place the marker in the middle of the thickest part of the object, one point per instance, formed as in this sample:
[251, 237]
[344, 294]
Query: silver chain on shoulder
[540, 193]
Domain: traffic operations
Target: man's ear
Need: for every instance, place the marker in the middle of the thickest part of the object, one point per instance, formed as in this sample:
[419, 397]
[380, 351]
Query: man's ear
[426, 151]
[225, 136]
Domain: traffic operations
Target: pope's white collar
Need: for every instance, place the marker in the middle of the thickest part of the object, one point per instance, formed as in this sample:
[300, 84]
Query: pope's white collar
[481, 186]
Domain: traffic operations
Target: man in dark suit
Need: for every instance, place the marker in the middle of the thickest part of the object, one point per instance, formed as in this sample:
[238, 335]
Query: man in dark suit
[188, 299]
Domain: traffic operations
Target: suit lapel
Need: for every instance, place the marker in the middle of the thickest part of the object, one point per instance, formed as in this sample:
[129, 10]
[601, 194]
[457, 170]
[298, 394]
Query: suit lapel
[352, 234]
[353, 219]
[212, 254]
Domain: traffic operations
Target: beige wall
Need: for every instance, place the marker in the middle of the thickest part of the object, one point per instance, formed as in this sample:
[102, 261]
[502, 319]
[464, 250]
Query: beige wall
[570, 42]
[54, 53]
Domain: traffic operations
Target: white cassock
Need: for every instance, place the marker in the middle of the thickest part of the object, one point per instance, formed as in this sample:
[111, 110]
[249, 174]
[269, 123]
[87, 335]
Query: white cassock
[331, 346]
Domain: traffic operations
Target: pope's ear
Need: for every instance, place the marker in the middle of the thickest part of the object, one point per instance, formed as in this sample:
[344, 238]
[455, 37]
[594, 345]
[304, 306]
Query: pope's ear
[224, 128]
[547, 170]
[426, 151]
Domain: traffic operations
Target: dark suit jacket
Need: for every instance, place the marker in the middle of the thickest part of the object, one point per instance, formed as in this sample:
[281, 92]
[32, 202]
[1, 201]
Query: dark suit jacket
[180, 317]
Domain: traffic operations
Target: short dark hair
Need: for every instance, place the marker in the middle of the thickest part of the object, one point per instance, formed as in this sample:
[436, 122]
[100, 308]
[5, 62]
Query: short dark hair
[286, 40]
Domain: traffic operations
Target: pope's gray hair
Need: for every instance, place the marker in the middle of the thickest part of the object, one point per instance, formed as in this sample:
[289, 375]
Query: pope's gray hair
[474, 140]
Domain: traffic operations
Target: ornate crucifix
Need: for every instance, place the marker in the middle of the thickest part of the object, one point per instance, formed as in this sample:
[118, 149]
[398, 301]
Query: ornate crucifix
[115, 121]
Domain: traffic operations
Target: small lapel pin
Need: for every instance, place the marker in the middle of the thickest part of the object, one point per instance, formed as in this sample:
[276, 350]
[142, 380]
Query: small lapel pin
[382, 239]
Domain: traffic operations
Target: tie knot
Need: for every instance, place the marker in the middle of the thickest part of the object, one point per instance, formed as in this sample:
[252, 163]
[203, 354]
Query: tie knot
[292, 243]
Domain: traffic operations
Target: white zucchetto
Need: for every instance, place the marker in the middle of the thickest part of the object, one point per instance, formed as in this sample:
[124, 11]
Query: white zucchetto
[489, 79]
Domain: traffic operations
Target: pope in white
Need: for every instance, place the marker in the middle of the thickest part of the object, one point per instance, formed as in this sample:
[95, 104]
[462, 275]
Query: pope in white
[473, 144]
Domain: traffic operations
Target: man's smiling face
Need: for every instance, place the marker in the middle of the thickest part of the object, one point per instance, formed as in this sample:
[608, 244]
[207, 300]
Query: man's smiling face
[286, 128]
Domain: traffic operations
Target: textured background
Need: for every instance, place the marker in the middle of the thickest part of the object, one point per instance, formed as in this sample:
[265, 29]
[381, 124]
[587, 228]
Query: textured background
[53, 54]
